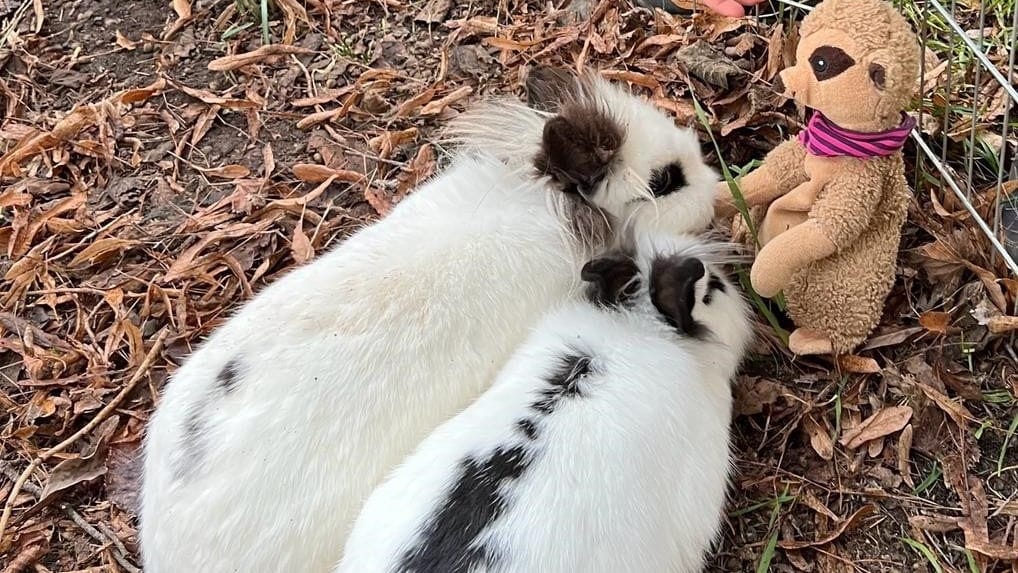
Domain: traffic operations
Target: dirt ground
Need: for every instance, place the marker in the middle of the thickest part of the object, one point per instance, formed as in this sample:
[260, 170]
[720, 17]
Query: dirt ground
[160, 163]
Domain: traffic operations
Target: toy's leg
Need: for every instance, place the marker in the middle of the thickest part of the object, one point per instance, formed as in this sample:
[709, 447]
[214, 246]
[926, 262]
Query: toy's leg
[809, 341]
[842, 296]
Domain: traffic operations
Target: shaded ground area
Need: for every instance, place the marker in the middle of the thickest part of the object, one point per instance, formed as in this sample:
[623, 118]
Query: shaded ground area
[161, 163]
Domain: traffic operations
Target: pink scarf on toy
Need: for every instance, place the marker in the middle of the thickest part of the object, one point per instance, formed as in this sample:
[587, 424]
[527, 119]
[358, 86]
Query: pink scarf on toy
[825, 139]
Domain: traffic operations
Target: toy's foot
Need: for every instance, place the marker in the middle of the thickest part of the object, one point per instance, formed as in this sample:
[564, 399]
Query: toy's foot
[809, 341]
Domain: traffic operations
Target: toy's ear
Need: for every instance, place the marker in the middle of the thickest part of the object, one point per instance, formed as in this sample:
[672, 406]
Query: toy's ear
[879, 64]
[886, 73]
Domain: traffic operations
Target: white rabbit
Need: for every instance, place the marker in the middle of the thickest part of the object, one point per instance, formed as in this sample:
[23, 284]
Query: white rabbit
[270, 436]
[603, 445]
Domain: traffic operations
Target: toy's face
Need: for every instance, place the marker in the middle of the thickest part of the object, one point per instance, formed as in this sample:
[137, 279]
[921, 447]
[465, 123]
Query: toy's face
[833, 75]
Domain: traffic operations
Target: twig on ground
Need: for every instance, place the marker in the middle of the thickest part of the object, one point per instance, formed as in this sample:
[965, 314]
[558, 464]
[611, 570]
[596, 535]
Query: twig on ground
[105, 537]
[157, 346]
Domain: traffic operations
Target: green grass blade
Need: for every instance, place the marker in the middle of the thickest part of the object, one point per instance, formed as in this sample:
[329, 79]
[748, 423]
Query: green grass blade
[740, 204]
[928, 482]
[266, 38]
[768, 554]
[973, 566]
[733, 186]
[925, 552]
[1003, 448]
[235, 29]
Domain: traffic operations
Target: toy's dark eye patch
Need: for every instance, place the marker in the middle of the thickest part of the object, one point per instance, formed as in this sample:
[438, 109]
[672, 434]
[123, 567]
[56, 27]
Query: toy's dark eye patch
[667, 179]
[828, 61]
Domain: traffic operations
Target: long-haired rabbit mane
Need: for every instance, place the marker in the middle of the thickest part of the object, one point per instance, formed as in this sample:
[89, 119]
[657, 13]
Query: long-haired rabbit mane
[597, 141]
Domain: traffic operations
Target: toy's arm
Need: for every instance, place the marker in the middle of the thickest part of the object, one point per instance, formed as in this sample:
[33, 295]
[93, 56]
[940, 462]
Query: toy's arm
[780, 172]
[786, 253]
[836, 220]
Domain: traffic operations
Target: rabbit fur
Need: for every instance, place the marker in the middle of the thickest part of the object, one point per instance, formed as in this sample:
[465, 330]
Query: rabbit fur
[268, 439]
[602, 446]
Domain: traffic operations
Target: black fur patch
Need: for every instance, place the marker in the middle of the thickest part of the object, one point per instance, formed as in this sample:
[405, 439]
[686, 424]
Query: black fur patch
[448, 542]
[829, 61]
[192, 446]
[614, 279]
[673, 292]
[578, 147]
[229, 376]
[563, 382]
[878, 75]
[667, 180]
[714, 284]
[528, 428]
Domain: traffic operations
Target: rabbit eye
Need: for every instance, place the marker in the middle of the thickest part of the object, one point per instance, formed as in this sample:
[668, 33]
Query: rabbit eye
[667, 179]
[714, 284]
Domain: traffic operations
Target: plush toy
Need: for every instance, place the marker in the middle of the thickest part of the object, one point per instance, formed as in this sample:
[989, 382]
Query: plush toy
[836, 196]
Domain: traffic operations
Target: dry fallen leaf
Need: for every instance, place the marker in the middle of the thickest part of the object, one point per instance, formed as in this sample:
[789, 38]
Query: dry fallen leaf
[413, 104]
[211, 98]
[313, 173]
[439, 105]
[124, 43]
[935, 321]
[819, 437]
[858, 364]
[101, 249]
[904, 454]
[300, 246]
[228, 171]
[884, 422]
[1002, 324]
[852, 522]
[388, 141]
[227, 63]
[955, 410]
[318, 117]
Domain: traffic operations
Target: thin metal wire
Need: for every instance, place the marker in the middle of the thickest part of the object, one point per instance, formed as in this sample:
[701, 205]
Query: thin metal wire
[978, 63]
[949, 179]
[946, 129]
[1002, 155]
[924, 14]
[970, 155]
[987, 64]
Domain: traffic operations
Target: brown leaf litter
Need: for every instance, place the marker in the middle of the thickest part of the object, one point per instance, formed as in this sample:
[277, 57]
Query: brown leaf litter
[159, 165]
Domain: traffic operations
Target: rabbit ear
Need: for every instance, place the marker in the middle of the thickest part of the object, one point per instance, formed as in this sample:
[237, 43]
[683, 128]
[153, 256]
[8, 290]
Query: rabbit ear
[673, 292]
[613, 279]
[548, 88]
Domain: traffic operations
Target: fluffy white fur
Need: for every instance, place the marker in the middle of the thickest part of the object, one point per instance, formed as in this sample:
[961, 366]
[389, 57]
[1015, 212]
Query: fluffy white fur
[343, 366]
[629, 475]
[651, 141]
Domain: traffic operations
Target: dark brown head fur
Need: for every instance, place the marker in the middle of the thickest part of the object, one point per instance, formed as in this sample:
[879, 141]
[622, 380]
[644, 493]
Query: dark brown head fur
[578, 147]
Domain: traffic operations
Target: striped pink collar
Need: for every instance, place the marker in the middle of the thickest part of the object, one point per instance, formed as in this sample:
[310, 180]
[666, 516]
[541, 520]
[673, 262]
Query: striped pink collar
[825, 139]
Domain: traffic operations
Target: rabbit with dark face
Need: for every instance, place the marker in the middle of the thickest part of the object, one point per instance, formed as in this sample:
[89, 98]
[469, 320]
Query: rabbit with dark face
[602, 446]
[268, 439]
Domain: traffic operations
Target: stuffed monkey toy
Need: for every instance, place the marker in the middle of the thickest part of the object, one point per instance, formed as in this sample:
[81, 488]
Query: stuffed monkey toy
[836, 196]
